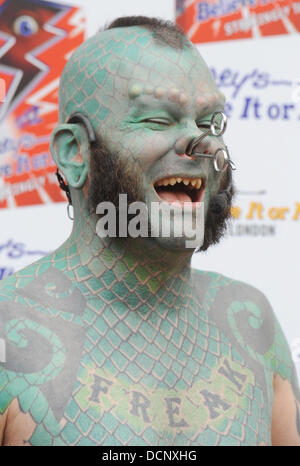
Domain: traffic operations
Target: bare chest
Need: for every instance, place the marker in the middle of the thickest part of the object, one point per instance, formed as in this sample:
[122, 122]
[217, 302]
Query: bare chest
[159, 377]
[159, 390]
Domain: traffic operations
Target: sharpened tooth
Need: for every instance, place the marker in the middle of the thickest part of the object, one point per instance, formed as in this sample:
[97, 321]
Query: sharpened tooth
[199, 183]
[190, 183]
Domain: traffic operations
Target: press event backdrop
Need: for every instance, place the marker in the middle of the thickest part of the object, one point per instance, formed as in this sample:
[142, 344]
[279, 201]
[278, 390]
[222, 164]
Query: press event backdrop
[253, 50]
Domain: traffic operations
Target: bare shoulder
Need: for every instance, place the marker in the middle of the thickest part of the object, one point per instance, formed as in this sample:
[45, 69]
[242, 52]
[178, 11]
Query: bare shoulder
[238, 304]
[47, 282]
[244, 314]
[41, 340]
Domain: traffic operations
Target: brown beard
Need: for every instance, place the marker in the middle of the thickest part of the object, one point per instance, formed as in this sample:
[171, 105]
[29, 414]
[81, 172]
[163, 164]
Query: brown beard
[219, 212]
[110, 176]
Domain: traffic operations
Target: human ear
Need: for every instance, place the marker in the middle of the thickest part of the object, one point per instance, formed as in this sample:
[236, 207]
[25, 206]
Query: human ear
[70, 149]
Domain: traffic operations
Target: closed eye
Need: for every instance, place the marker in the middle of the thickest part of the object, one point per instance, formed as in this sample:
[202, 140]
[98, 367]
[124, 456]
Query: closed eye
[158, 121]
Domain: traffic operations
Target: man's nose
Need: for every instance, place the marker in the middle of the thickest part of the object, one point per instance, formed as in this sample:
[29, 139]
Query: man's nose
[183, 143]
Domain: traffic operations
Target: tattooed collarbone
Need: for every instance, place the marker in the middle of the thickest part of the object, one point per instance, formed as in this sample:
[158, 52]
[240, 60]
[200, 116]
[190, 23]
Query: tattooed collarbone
[42, 337]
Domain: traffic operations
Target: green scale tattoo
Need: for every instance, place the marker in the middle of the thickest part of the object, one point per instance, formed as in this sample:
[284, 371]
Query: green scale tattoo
[117, 341]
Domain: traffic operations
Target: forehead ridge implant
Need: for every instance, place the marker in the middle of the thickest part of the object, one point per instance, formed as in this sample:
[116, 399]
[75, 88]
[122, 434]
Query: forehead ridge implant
[136, 90]
[174, 95]
[160, 92]
[200, 101]
[149, 90]
[183, 98]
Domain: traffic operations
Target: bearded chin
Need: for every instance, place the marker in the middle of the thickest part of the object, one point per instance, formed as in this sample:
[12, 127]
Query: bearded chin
[110, 176]
[219, 212]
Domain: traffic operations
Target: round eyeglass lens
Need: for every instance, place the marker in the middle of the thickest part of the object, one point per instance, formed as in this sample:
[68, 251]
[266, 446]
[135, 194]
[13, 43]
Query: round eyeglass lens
[218, 123]
[220, 160]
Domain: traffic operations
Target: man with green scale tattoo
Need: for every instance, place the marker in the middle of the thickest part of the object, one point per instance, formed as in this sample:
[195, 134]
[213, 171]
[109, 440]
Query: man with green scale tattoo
[116, 340]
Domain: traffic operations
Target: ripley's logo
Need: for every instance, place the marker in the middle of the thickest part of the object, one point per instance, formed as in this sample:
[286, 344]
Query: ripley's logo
[216, 20]
[217, 9]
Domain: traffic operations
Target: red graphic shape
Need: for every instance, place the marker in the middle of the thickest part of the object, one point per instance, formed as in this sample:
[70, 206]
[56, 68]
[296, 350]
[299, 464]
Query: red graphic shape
[36, 40]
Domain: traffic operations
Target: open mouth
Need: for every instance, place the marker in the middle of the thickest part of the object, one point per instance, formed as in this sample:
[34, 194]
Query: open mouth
[180, 189]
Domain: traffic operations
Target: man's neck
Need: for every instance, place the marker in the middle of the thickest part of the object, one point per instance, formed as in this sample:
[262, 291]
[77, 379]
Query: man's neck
[140, 264]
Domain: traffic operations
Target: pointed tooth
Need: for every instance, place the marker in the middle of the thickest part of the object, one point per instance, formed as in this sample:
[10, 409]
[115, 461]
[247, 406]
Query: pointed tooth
[172, 181]
[165, 182]
[179, 179]
[199, 183]
[193, 182]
